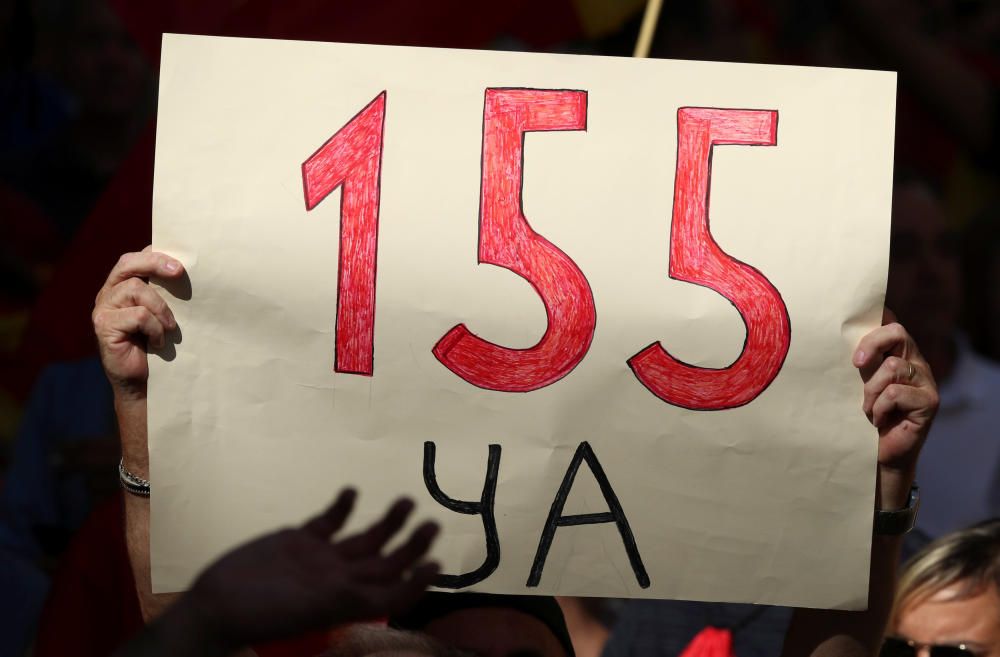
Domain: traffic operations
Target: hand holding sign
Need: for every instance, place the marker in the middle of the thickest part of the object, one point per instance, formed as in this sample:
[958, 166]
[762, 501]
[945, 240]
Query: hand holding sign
[901, 399]
[127, 313]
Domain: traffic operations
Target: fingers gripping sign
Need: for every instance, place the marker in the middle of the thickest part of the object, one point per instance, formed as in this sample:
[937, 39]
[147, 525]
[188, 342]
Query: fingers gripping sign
[900, 394]
[129, 315]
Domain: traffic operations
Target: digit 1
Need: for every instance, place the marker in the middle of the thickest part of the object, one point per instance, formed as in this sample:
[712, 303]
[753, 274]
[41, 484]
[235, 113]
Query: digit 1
[352, 158]
[507, 240]
[696, 258]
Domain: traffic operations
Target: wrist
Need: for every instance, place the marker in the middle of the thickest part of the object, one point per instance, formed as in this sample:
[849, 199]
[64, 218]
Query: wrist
[136, 462]
[131, 414]
[128, 390]
[892, 487]
[129, 400]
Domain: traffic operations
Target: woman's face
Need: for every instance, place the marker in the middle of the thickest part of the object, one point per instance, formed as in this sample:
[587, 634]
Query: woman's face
[944, 619]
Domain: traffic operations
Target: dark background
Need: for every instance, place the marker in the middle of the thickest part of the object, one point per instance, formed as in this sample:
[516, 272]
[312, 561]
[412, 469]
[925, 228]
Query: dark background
[77, 118]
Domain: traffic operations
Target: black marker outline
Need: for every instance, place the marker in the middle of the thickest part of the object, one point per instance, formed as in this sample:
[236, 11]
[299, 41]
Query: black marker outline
[616, 515]
[484, 508]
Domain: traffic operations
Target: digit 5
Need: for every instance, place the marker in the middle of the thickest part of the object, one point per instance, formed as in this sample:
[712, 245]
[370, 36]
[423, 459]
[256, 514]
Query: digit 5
[696, 258]
[507, 240]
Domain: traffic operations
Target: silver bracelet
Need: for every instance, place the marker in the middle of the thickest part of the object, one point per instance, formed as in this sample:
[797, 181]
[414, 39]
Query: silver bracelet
[130, 483]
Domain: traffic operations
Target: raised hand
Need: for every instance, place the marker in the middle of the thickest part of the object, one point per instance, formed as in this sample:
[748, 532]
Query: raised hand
[297, 580]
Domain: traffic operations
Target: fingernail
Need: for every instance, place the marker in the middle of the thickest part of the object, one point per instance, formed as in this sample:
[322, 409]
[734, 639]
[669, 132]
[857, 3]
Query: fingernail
[859, 357]
[171, 265]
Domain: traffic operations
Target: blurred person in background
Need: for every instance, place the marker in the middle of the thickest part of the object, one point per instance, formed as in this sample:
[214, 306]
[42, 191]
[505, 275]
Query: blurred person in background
[75, 92]
[948, 598]
[981, 279]
[959, 472]
[110, 90]
[64, 449]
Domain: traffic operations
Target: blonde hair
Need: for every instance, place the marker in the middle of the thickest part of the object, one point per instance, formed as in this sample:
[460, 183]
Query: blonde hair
[969, 557]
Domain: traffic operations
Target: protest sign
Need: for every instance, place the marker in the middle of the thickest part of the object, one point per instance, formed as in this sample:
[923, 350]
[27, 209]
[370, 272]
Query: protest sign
[492, 282]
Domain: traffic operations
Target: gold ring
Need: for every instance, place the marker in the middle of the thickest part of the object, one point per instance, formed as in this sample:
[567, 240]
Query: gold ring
[911, 372]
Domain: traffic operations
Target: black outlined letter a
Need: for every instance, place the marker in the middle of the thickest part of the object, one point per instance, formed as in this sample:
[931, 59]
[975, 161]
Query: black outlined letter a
[616, 515]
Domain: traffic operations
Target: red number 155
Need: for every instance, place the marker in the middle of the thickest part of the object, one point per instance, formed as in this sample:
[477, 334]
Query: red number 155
[352, 159]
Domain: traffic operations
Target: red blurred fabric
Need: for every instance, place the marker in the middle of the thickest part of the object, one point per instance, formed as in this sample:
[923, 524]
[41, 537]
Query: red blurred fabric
[92, 606]
[710, 642]
[26, 231]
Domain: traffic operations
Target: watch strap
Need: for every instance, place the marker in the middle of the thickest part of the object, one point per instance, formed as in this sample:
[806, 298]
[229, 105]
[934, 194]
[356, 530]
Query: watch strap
[900, 521]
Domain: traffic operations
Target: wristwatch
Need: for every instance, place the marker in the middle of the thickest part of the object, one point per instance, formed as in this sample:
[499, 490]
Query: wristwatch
[899, 522]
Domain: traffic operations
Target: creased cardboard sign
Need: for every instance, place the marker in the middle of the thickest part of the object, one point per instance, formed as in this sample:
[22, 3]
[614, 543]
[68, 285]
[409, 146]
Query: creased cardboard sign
[595, 315]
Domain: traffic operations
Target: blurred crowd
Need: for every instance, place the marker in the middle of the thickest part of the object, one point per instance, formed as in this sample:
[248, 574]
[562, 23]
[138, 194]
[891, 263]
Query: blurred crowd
[77, 113]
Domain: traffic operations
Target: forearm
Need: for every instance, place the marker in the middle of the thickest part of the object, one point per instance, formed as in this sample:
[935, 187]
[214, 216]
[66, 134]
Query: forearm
[170, 623]
[132, 426]
[172, 629]
[829, 633]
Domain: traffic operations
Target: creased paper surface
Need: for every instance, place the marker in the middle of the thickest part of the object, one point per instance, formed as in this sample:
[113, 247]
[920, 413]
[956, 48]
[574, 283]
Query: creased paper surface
[251, 428]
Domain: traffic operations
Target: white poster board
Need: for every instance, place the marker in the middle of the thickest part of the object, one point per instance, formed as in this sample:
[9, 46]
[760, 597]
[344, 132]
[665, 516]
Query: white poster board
[401, 257]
